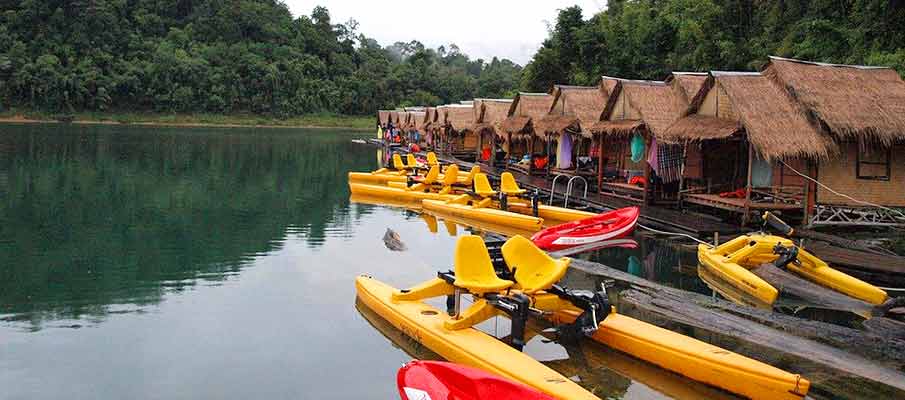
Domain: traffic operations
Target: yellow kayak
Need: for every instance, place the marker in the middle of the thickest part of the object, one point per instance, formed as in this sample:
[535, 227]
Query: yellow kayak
[729, 291]
[551, 215]
[695, 359]
[488, 215]
[377, 177]
[733, 261]
[425, 324]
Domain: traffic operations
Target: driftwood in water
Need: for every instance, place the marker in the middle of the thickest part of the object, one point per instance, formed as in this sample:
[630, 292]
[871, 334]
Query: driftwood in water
[393, 241]
[826, 346]
[841, 242]
[811, 292]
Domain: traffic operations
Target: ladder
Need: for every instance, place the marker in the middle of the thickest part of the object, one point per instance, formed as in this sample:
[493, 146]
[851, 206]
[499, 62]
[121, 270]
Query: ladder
[570, 185]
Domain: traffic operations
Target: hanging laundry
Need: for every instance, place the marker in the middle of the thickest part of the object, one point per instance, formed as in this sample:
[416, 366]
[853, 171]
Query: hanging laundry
[637, 148]
[670, 162]
[652, 158]
[564, 156]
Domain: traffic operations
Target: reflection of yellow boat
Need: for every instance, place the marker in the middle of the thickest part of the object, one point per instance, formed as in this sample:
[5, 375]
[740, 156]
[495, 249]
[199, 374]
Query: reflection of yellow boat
[729, 291]
[425, 324]
[733, 260]
[482, 226]
[385, 201]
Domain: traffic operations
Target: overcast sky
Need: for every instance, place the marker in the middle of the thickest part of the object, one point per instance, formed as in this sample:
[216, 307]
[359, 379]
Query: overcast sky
[510, 29]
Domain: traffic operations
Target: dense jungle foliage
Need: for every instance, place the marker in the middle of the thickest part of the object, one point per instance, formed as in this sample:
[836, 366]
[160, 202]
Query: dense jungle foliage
[647, 39]
[220, 56]
[254, 56]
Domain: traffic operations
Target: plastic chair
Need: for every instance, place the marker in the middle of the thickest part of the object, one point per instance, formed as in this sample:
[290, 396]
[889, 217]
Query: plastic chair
[397, 162]
[432, 159]
[411, 161]
[535, 271]
[509, 186]
[474, 268]
[482, 186]
[469, 180]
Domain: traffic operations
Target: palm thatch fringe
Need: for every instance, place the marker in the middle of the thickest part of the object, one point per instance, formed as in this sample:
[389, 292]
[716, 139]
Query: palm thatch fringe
[460, 118]
[699, 127]
[526, 109]
[618, 129]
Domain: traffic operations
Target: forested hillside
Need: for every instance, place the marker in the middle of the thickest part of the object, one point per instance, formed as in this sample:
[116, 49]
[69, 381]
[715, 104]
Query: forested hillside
[647, 39]
[253, 56]
[220, 56]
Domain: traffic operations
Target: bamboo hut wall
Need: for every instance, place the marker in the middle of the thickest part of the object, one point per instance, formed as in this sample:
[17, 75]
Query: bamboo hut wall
[839, 173]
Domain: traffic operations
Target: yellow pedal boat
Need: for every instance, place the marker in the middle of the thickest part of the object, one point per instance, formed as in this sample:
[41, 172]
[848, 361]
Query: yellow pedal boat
[733, 261]
[426, 325]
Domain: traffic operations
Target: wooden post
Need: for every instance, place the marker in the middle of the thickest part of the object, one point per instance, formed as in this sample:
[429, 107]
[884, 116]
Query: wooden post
[600, 168]
[647, 169]
[747, 216]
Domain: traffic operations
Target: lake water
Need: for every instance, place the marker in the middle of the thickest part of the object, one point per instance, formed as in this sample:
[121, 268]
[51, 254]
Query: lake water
[172, 263]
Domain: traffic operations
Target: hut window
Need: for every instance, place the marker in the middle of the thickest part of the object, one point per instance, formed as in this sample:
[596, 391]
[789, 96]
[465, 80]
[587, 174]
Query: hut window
[874, 162]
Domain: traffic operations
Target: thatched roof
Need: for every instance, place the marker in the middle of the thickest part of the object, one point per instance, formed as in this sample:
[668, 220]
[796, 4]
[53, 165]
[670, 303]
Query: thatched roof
[525, 109]
[460, 117]
[699, 127]
[575, 108]
[687, 84]
[774, 125]
[394, 117]
[848, 101]
[490, 113]
[416, 119]
[430, 115]
[383, 116]
[609, 84]
[439, 118]
[618, 128]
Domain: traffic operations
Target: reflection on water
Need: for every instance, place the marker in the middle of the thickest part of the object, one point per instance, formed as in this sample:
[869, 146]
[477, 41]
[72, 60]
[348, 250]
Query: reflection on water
[100, 216]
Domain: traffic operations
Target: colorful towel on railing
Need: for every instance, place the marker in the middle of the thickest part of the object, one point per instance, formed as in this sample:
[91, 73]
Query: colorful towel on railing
[669, 162]
[638, 181]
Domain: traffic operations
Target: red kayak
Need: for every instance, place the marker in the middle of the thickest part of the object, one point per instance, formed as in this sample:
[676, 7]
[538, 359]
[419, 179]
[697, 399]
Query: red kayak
[433, 380]
[607, 226]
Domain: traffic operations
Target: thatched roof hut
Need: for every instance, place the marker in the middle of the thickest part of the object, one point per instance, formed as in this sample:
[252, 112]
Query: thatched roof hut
[393, 117]
[439, 118]
[847, 101]
[575, 109]
[416, 120]
[525, 110]
[732, 102]
[637, 105]
[383, 117]
[490, 113]
[460, 118]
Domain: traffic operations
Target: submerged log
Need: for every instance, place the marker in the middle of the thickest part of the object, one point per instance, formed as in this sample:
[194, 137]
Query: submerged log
[812, 346]
[812, 293]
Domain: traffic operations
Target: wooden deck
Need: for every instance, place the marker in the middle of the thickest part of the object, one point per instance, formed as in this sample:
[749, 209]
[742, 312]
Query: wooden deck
[624, 191]
[737, 205]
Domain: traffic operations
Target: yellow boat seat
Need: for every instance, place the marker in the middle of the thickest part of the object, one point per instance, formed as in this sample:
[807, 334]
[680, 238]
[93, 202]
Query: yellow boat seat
[474, 269]
[482, 186]
[509, 186]
[432, 159]
[469, 180]
[397, 162]
[535, 271]
[411, 161]
[450, 179]
[432, 175]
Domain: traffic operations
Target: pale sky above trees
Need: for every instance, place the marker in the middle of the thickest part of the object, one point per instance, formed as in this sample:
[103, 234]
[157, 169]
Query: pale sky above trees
[512, 29]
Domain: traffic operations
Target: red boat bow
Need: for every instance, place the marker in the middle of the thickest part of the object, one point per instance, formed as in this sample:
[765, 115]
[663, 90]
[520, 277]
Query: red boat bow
[433, 380]
[607, 226]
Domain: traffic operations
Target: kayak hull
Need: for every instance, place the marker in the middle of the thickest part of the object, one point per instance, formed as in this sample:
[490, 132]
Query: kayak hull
[733, 261]
[442, 380]
[695, 359]
[470, 346]
[489, 215]
[607, 226]
[376, 178]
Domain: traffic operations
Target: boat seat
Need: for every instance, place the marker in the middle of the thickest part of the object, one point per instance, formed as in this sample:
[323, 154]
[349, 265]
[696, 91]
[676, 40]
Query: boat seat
[450, 179]
[432, 159]
[425, 183]
[534, 270]
[411, 161]
[469, 180]
[509, 186]
[474, 268]
[482, 186]
[397, 163]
